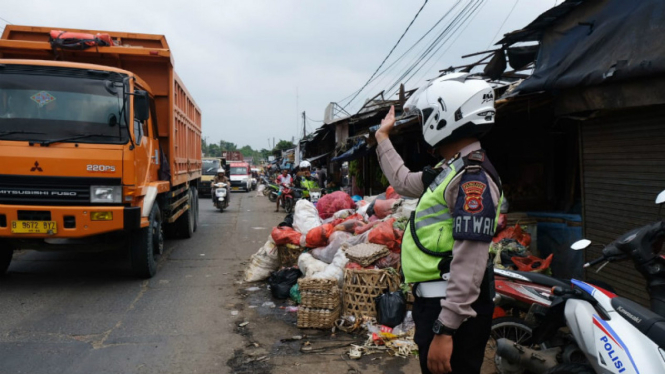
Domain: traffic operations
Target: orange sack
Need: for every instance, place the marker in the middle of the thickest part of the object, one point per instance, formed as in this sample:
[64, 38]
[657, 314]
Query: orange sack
[285, 235]
[318, 236]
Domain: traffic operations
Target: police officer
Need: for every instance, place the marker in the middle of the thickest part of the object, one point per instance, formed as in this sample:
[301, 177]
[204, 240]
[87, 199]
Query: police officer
[445, 248]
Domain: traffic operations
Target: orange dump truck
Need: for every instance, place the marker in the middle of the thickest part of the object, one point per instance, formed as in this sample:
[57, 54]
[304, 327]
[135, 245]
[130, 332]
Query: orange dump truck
[100, 144]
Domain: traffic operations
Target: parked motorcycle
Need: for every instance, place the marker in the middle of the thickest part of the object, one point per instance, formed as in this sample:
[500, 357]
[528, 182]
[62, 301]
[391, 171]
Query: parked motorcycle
[271, 190]
[221, 200]
[600, 323]
[290, 195]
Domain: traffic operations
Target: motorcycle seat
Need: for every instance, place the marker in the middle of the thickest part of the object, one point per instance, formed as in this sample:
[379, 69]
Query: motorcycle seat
[649, 323]
[537, 278]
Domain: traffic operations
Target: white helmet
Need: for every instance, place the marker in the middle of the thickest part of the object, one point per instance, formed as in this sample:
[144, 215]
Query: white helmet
[452, 107]
[305, 164]
[221, 170]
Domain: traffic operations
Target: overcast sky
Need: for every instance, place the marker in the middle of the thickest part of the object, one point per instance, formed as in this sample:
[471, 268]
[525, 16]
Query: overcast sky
[254, 66]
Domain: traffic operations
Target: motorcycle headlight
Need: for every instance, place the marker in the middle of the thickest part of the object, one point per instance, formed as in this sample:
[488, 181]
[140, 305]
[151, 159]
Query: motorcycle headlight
[106, 194]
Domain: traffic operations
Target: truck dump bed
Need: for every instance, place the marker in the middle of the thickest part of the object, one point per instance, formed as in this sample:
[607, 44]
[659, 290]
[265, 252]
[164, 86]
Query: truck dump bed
[147, 56]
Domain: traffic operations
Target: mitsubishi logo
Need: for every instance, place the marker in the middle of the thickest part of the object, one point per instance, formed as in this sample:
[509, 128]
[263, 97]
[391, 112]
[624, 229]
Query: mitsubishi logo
[36, 167]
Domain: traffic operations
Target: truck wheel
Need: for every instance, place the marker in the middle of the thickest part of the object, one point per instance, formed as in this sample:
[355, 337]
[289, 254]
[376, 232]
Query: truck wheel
[142, 246]
[5, 260]
[185, 223]
[195, 205]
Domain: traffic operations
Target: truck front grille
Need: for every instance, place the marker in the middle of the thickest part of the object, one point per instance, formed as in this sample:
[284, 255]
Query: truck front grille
[37, 190]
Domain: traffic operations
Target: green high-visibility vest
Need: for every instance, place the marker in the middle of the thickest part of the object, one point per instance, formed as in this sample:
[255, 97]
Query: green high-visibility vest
[426, 254]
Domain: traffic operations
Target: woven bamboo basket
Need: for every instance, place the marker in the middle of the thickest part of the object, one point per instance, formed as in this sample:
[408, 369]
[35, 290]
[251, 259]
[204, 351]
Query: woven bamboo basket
[288, 254]
[311, 318]
[319, 293]
[362, 286]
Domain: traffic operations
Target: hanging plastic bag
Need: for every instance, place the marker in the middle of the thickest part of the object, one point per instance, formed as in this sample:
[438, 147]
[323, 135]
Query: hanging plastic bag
[281, 282]
[326, 254]
[318, 236]
[285, 235]
[306, 217]
[390, 308]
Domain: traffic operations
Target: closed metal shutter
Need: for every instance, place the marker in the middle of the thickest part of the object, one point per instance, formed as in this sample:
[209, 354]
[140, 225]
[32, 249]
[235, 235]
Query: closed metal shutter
[623, 165]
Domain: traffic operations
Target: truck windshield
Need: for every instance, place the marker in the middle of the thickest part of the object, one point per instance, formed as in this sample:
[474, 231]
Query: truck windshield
[238, 170]
[210, 167]
[42, 104]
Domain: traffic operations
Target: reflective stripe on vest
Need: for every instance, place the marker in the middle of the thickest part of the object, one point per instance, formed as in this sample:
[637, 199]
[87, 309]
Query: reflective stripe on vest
[433, 223]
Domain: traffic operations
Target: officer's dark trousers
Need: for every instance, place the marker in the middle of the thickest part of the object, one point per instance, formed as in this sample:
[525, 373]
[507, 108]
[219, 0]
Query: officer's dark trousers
[468, 342]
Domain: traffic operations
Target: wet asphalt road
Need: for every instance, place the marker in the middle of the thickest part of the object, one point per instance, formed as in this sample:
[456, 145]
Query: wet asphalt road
[84, 312]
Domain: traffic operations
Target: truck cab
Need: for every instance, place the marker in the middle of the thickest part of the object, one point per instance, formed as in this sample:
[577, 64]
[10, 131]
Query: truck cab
[241, 176]
[100, 147]
[209, 170]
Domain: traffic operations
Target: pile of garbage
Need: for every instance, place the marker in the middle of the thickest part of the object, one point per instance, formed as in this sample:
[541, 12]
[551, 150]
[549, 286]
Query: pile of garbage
[338, 235]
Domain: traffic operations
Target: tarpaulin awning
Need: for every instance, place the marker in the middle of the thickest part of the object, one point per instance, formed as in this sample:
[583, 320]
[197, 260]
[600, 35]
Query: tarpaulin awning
[597, 42]
[359, 150]
[317, 157]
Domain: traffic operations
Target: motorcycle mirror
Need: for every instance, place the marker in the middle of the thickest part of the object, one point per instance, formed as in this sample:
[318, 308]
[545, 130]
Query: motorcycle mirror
[580, 244]
[661, 198]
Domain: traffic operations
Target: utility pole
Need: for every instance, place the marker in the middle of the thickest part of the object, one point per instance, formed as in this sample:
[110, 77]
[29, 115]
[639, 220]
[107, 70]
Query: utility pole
[304, 125]
[273, 142]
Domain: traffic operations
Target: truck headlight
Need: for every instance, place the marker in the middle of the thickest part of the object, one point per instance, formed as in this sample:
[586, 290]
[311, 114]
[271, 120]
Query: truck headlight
[106, 194]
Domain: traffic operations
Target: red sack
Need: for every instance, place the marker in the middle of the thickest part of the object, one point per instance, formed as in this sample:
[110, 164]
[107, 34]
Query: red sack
[532, 263]
[318, 236]
[363, 229]
[285, 235]
[334, 202]
[384, 208]
[515, 233]
[350, 225]
[391, 194]
[383, 233]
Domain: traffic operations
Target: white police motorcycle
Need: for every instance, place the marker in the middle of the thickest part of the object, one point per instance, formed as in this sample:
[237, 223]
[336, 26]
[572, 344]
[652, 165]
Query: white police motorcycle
[220, 199]
[607, 333]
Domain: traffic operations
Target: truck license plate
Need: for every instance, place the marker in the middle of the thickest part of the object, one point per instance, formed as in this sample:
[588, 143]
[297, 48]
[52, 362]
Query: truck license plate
[34, 227]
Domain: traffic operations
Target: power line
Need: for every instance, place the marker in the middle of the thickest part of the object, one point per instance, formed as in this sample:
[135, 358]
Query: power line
[503, 23]
[389, 53]
[313, 120]
[428, 51]
[459, 34]
[405, 53]
[7, 22]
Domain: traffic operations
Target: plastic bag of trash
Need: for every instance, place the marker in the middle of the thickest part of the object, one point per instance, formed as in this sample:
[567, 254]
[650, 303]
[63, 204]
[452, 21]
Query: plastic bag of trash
[306, 217]
[404, 210]
[343, 214]
[384, 234]
[326, 254]
[318, 236]
[384, 208]
[358, 239]
[350, 225]
[390, 308]
[309, 265]
[285, 235]
[262, 263]
[295, 294]
[281, 281]
[335, 269]
[406, 326]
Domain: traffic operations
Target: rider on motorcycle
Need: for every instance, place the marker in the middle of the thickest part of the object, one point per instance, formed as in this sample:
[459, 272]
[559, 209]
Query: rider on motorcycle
[305, 179]
[220, 178]
[283, 180]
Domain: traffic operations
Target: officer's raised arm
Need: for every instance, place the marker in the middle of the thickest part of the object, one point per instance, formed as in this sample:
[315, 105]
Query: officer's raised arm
[405, 182]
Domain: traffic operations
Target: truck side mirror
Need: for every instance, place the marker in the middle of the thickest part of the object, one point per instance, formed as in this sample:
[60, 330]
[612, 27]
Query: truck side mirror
[141, 105]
